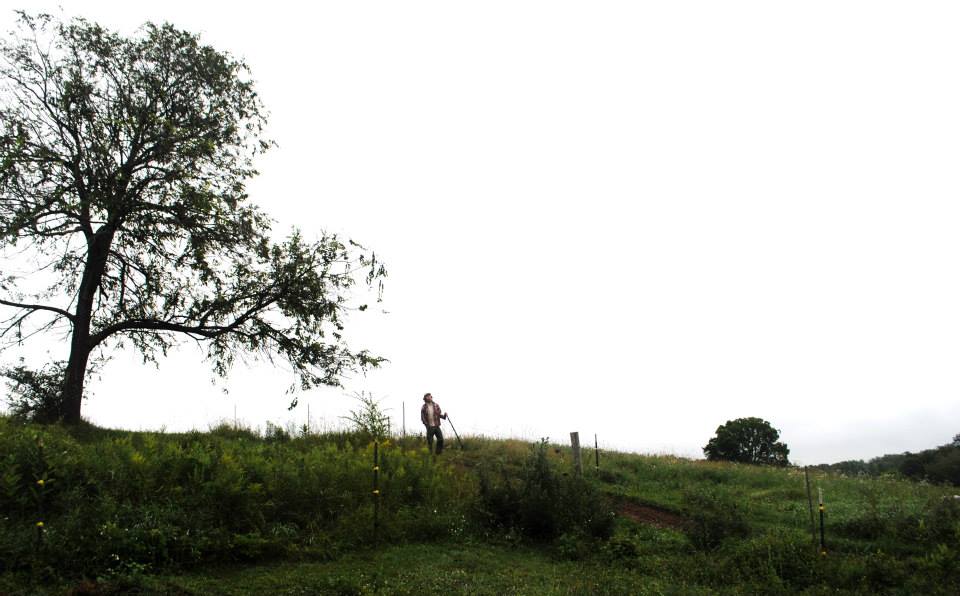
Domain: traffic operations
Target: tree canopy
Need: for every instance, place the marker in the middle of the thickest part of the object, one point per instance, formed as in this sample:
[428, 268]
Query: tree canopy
[123, 163]
[747, 440]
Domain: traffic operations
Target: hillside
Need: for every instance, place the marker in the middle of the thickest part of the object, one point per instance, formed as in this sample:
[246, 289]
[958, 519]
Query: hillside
[95, 511]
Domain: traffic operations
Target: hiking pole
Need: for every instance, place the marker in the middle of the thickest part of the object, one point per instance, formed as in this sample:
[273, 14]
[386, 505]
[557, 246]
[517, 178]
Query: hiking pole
[450, 422]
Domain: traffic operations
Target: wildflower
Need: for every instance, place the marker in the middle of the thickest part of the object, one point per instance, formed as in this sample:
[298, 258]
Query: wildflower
[40, 524]
[40, 483]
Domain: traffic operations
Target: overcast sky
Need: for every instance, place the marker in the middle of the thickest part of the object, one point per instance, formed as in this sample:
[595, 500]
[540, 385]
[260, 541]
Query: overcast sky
[634, 219]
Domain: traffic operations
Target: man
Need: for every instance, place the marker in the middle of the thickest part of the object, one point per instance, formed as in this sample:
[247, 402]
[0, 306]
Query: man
[430, 416]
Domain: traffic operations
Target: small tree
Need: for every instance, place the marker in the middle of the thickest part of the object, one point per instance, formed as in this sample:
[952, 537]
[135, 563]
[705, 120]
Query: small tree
[369, 417]
[123, 165]
[34, 394]
[747, 440]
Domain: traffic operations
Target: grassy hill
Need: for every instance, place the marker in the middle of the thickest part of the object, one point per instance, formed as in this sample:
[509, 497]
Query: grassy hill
[95, 511]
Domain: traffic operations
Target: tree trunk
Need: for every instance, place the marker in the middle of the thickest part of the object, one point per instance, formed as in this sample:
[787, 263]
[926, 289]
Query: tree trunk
[72, 395]
[73, 377]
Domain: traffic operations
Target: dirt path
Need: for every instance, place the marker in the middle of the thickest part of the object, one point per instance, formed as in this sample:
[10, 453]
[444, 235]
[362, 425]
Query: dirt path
[650, 515]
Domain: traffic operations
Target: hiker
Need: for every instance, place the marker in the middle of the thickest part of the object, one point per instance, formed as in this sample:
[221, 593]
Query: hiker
[430, 416]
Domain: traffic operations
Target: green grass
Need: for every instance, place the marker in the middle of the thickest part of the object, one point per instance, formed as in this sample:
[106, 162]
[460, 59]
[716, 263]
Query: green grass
[231, 512]
[418, 569]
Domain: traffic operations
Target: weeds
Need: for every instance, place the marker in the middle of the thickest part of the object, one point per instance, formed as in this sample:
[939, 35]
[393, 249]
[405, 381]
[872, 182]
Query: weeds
[119, 508]
[541, 504]
[712, 518]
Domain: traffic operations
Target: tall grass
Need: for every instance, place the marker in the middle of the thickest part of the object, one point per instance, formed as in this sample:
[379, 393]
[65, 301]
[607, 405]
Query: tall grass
[112, 501]
[116, 504]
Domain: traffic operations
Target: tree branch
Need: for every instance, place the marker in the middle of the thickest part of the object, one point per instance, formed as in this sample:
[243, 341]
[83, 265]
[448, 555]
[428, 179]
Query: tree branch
[207, 331]
[34, 307]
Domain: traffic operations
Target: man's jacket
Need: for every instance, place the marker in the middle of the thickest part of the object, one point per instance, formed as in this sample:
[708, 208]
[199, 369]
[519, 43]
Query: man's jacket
[436, 413]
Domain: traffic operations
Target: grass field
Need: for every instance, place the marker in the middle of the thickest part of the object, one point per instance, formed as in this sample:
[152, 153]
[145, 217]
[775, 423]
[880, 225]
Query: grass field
[232, 512]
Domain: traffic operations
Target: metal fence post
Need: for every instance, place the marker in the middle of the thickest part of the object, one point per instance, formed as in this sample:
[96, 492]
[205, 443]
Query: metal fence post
[596, 450]
[376, 492]
[813, 524]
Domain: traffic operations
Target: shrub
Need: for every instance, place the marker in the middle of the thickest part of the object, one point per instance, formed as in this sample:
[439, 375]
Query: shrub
[869, 526]
[775, 556]
[942, 521]
[275, 433]
[712, 517]
[369, 418]
[621, 549]
[882, 571]
[35, 393]
[540, 504]
[937, 522]
[226, 430]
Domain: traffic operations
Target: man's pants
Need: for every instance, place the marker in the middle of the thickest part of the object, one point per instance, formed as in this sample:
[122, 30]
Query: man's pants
[431, 432]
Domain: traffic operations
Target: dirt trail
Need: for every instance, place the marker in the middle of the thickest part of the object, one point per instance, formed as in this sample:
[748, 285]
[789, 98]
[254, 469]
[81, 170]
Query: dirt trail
[650, 515]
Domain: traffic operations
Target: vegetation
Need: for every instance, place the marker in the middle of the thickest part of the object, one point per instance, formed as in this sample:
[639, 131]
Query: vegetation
[369, 418]
[748, 441]
[123, 165]
[939, 465]
[233, 511]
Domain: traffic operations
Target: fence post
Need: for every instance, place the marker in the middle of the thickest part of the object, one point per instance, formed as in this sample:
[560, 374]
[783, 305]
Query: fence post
[376, 492]
[813, 524]
[577, 461]
[596, 450]
[823, 546]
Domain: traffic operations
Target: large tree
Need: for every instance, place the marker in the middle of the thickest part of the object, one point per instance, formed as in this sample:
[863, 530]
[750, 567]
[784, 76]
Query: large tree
[747, 440]
[123, 162]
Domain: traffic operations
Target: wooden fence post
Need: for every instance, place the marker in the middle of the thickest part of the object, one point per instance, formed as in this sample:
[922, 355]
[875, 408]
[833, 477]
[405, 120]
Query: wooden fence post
[823, 546]
[577, 461]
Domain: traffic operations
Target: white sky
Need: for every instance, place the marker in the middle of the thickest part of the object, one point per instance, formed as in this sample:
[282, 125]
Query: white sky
[633, 219]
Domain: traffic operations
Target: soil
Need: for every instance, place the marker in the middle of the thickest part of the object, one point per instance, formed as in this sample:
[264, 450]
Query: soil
[650, 515]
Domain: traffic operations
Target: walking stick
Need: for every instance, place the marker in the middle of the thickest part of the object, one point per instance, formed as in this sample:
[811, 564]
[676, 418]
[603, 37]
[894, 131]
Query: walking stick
[450, 422]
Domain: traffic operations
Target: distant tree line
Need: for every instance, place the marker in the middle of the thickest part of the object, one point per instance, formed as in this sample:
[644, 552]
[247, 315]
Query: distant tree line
[940, 465]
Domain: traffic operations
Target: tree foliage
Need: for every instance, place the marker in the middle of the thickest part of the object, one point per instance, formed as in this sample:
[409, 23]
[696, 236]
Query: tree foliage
[369, 417]
[938, 465]
[747, 440]
[123, 163]
[35, 392]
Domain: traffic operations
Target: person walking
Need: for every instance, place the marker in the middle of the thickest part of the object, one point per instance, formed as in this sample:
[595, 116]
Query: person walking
[431, 415]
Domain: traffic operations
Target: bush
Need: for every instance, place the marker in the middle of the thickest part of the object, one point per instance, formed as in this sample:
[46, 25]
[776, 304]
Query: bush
[712, 518]
[35, 393]
[775, 556]
[936, 523]
[369, 418]
[540, 504]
